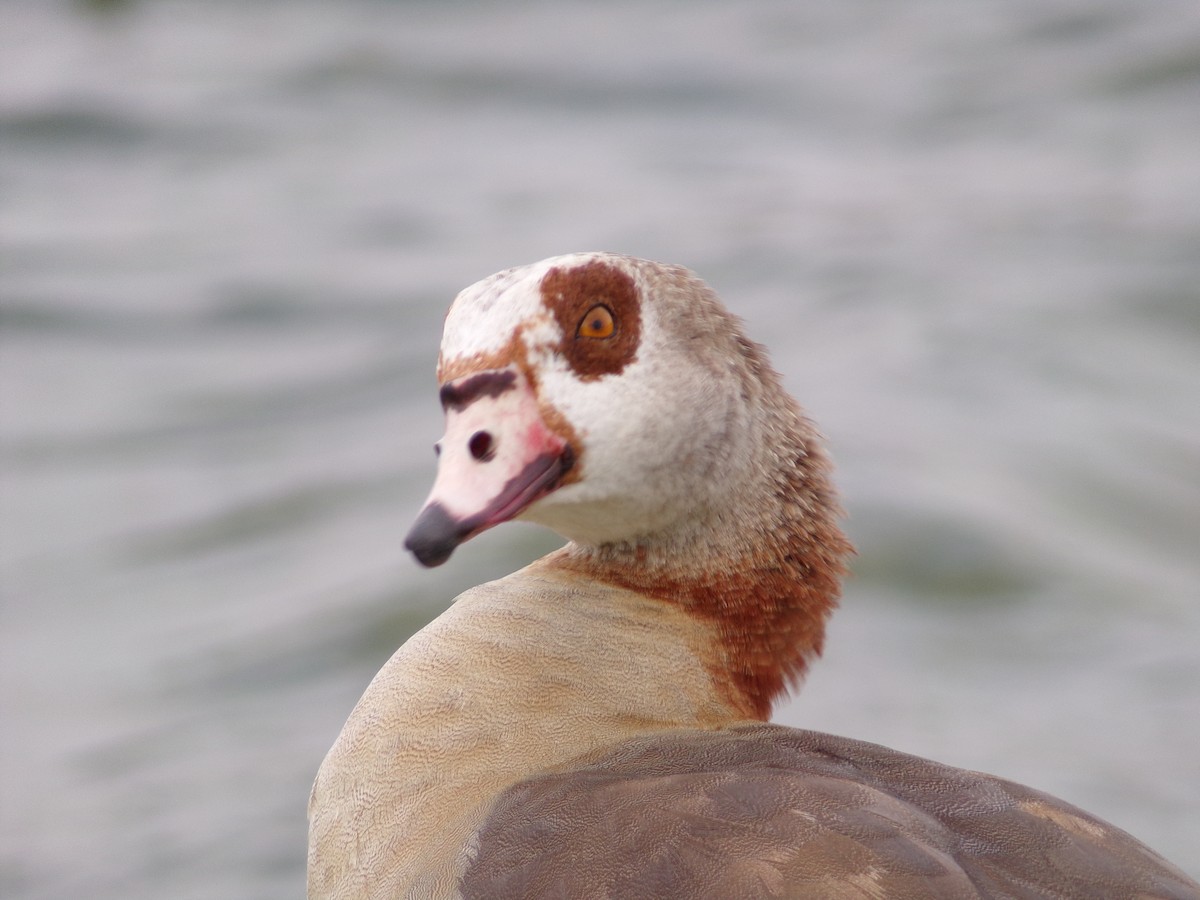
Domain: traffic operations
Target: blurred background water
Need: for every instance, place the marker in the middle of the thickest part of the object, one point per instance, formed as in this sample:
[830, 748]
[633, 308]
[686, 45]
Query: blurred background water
[969, 232]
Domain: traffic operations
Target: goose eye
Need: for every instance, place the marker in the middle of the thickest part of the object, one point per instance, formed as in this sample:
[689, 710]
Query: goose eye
[598, 323]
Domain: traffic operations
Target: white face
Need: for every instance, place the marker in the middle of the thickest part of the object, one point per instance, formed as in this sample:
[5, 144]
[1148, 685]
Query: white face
[648, 411]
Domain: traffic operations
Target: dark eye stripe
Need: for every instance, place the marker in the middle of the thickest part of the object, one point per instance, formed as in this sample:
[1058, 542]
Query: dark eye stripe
[485, 384]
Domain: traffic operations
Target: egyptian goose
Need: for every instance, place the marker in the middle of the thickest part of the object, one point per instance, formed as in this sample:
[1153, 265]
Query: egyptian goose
[593, 725]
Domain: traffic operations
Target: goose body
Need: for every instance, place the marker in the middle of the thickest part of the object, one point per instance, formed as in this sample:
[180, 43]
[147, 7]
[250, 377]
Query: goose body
[592, 725]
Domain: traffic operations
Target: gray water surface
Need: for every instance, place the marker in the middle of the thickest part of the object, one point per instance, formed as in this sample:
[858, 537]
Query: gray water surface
[968, 231]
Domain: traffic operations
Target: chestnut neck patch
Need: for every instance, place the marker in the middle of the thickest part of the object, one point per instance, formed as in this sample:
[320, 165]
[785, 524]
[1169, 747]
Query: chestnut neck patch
[571, 293]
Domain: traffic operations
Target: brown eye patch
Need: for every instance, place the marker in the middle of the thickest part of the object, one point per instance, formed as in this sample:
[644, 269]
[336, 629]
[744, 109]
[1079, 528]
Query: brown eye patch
[599, 312]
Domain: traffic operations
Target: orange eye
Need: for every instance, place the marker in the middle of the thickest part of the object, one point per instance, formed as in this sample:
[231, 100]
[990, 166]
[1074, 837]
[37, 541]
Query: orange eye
[598, 323]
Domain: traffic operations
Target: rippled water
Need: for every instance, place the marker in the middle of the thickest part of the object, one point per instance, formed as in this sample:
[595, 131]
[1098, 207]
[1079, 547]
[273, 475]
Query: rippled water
[970, 233]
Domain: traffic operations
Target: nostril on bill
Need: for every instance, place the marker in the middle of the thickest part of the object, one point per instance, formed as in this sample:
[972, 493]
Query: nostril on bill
[482, 446]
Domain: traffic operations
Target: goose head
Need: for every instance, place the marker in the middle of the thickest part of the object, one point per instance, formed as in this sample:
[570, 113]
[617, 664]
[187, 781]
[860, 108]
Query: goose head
[599, 395]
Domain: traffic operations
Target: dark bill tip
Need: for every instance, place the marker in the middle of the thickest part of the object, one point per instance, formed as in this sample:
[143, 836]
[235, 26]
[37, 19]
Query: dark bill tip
[434, 536]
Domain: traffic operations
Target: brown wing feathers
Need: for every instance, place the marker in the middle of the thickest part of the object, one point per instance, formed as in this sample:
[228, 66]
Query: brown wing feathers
[766, 811]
